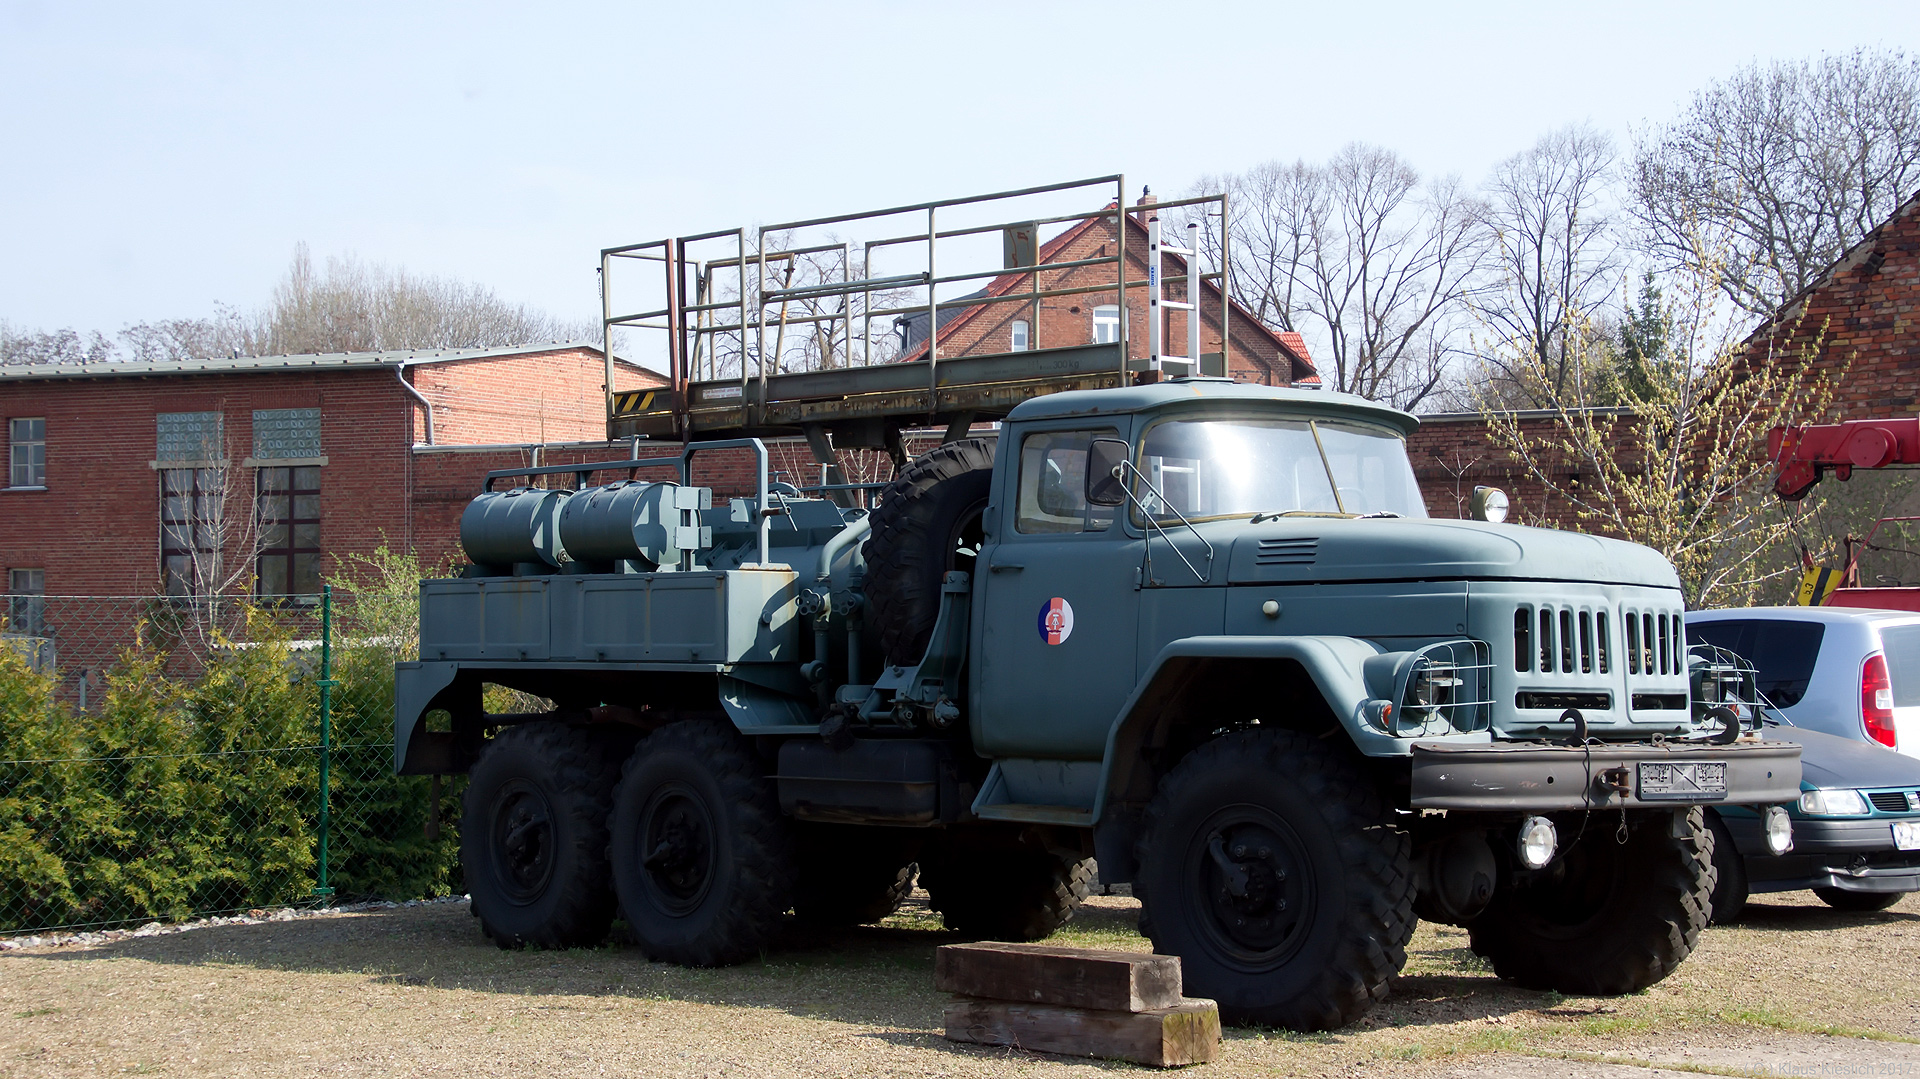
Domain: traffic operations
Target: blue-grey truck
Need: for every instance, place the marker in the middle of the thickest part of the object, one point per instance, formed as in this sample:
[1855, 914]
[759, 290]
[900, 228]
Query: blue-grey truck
[1198, 634]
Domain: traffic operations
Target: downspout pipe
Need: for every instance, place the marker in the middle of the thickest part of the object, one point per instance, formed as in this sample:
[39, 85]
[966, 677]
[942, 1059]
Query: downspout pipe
[413, 392]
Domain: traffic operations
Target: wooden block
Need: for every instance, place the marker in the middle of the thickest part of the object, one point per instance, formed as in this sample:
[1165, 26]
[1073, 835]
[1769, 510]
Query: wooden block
[1186, 1033]
[1045, 974]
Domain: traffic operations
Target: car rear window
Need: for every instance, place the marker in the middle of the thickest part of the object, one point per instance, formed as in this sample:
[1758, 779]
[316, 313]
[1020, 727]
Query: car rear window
[1782, 651]
[1902, 646]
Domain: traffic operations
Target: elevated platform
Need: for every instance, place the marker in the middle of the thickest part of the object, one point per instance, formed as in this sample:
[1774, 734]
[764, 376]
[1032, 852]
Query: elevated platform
[858, 406]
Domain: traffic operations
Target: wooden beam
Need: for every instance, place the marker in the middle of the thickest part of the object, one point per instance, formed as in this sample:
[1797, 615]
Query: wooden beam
[1047, 974]
[1187, 1033]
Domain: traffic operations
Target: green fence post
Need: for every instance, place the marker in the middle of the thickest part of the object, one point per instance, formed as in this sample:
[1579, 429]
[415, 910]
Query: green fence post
[326, 730]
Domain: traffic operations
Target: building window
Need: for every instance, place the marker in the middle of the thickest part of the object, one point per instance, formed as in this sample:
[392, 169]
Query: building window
[27, 602]
[289, 504]
[191, 505]
[1022, 340]
[1106, 324]
[27, 445]
[286, 434]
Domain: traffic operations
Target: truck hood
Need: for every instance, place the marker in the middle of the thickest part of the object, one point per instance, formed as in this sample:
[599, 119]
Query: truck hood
[1328, 549]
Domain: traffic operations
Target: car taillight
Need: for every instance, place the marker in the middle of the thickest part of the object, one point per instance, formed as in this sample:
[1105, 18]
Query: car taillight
[1876, 700]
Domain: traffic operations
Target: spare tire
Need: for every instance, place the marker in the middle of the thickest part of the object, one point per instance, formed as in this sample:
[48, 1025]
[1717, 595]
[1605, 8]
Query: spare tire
[928, 523]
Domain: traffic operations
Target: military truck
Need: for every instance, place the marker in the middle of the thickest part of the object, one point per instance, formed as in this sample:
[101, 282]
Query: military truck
[1196, 634]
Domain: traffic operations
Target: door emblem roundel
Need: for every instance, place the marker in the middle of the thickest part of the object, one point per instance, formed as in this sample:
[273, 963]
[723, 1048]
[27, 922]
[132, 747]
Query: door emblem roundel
[1056, 620]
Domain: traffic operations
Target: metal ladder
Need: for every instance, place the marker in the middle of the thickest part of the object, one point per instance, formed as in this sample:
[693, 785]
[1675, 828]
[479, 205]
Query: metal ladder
[1158, 306]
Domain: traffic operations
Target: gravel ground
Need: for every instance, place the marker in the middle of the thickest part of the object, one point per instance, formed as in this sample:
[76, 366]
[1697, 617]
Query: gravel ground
[415, 990]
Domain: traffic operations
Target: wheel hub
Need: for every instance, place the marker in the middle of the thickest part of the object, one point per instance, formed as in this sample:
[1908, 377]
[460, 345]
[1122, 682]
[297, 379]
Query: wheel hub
[676, 848]
[1255, 887]
[523, 841]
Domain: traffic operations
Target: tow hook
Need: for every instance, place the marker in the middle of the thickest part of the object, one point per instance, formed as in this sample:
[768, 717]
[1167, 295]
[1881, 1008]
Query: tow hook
[1237, 876]
[1617, 780]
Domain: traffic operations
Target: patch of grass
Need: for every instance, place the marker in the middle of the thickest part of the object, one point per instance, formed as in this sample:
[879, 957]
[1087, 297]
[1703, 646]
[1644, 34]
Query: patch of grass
[33, 1012]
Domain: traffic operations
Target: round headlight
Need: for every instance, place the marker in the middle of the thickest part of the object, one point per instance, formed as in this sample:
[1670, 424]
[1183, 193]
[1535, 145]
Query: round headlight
[1536, 842]
[1779, 828]
[1489, 504]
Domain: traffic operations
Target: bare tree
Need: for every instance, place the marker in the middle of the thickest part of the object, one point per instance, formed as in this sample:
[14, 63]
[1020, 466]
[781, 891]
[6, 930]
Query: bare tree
[1363, 258]
[61, 346]
[1786, 165]
[1553, 250]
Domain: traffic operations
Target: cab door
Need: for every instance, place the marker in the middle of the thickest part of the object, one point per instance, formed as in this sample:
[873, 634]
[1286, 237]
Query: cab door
[1059, 599]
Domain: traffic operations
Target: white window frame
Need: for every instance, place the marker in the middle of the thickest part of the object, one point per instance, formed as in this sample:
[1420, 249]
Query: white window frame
[1106, 324]
[27, 602]
[24, 472]
[1022, 335]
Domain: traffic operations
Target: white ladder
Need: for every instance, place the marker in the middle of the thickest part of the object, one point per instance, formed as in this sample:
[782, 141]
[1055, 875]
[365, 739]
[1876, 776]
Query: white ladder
[1158, 306]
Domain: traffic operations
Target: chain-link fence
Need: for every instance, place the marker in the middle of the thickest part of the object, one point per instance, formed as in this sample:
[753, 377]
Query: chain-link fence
[181, 756]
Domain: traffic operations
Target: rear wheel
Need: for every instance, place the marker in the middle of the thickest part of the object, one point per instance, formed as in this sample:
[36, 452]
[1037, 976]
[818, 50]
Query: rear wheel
[1604, 917]
[533, 838]
[1273, 869]
[1840, 899]
[849, 876]
[702, 859]
[1012, 893]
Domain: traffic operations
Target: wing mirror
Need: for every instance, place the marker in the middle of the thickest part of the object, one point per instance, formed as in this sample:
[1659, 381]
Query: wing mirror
[1106, 482]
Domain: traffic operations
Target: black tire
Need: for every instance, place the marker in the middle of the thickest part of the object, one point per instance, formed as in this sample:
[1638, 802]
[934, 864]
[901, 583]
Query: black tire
[1327, 901]
[849, 876]
[932, 510]
[1730, 875]
[1861, 902]
[702, 859]
[1010, 893]
[1604, 918]
[533, 837]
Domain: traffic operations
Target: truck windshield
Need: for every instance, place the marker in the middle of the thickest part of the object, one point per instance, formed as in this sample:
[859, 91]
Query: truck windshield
[1241, 467]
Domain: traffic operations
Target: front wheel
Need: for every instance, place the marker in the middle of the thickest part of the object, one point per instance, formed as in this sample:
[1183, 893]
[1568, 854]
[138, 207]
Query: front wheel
[1730, 872]
[1865, 902]
[1272, 867]
[1604, 917]
[702, 859]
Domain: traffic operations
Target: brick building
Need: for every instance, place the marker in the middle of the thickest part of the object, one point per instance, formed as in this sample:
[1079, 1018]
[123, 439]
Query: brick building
[259, 473]
[1255, 352]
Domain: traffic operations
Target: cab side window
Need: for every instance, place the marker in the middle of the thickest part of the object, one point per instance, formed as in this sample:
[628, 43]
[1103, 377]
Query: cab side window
[1052, 495]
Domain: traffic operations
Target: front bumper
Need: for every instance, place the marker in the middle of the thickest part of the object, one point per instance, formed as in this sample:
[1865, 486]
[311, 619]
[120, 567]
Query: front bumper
[1852, 855]
[1534, 777]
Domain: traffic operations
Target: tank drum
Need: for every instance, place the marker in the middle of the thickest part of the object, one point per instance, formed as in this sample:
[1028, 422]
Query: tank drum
[500, 528]
[621, 521]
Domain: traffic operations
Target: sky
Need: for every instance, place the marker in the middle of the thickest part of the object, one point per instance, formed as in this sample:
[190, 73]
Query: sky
[164, 158]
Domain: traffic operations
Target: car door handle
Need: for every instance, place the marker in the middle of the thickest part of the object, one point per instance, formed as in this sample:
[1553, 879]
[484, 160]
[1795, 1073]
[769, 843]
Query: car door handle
[1006, 567]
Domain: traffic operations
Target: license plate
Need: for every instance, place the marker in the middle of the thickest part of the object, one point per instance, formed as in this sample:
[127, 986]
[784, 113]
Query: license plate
[1683, 781]
[1906, 834]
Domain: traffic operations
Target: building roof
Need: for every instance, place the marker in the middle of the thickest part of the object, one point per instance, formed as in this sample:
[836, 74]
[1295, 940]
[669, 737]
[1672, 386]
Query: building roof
[1789, 312]
[315, 361]
[1291, 345]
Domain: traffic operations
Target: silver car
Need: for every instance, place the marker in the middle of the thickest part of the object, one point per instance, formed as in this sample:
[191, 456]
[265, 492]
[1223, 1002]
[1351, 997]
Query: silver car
[1847, 672]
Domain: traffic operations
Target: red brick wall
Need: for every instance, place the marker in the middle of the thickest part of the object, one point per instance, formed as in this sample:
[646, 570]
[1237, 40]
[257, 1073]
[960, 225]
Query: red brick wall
[1453, 454]
[552, 396]
[1862, 316]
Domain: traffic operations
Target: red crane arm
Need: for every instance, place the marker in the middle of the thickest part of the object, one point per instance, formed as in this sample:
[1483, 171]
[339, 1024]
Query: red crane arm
[1803, 454]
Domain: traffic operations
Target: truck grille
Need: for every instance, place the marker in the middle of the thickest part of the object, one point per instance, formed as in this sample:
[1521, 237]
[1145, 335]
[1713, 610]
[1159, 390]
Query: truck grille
[1566, 640]
[1287, 552]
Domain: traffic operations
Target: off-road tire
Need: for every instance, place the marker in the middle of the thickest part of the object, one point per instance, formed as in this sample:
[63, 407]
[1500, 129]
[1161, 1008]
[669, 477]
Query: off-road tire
[1604, 918]
[533, 837]
[850, 875]
[702, 859]
[1014, 893]
[932, 507]
[1730, 872]
[1325, 955]
[1861, 902]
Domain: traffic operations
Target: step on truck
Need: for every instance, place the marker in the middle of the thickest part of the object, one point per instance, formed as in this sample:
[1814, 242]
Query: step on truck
[1197, 635]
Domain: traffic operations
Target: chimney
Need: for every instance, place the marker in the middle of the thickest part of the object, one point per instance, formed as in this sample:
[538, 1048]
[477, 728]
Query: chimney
[1147, 199]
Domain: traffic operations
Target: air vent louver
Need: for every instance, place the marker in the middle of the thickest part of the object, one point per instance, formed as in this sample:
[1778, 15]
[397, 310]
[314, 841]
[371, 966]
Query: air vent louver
[1287, 552]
